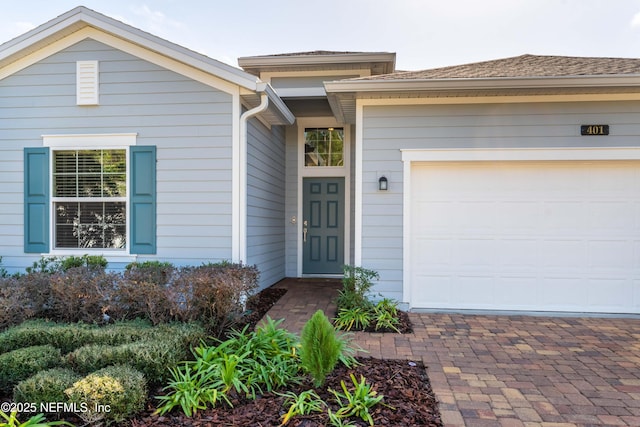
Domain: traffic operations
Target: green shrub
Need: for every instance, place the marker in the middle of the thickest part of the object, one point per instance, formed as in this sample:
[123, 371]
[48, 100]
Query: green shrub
[151, 353]
[52, 264]
[90, 261]
[18, 365]
[122, 332]
[71, 336]
[320, 347]
[40, 332]
[46, 265]
[356, 286]
[45, 386]
[111, 395]
[356, 310]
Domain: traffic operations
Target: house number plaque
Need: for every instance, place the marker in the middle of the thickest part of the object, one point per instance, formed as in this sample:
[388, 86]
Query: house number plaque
[590, 130]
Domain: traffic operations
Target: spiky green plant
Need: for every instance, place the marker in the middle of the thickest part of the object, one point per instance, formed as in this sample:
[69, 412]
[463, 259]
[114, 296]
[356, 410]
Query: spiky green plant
[320, 347]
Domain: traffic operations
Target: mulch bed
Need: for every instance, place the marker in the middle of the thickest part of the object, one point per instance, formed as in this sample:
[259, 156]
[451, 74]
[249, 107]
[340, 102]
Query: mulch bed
[404, 385]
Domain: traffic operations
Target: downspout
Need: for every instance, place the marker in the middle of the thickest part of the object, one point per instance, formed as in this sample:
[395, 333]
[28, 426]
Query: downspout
[242, 169]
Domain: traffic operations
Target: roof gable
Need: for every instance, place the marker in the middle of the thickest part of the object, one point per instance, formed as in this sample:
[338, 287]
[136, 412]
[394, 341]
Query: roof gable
[81, 23]
[82, 17]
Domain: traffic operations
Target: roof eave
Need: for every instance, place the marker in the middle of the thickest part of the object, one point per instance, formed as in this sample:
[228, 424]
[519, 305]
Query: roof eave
[403, 85]
[284, 61]
[342, 95]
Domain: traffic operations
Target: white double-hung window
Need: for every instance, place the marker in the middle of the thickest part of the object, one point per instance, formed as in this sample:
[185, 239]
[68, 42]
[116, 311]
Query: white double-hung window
[89, 198]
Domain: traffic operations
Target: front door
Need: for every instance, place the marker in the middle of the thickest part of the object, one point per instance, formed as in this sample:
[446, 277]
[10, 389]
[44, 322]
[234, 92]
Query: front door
[323, 226]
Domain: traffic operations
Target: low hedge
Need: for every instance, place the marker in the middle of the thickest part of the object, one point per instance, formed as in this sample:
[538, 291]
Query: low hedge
[66, 337]
[46, 386]
[20, 364]
[163, 347]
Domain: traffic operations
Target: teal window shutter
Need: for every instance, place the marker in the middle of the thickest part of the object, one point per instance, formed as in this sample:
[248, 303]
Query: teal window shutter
[36, 200]
[142, 236]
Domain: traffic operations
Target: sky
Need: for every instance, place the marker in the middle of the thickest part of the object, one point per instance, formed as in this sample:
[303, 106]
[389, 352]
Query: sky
[423, 33]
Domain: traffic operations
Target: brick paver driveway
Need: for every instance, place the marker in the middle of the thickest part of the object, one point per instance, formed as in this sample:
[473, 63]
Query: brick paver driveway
[525, 371]
[490, 370]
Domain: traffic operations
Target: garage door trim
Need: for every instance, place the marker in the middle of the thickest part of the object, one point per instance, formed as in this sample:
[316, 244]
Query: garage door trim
[410, 156]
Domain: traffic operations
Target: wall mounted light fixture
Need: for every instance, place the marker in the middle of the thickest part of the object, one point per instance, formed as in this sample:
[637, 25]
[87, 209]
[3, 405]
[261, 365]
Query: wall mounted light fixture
[383, 183]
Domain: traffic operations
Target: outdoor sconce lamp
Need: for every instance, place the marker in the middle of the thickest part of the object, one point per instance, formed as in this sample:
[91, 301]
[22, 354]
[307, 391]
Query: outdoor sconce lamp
[383, 184]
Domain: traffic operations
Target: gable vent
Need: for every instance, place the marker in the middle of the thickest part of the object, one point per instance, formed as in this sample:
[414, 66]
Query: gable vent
[87, 82]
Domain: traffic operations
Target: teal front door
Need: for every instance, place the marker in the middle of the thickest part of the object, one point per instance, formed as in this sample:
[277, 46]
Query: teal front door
[323, 226]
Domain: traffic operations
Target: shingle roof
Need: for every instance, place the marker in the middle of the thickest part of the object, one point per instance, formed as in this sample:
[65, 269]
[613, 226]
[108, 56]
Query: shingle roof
[525, 66]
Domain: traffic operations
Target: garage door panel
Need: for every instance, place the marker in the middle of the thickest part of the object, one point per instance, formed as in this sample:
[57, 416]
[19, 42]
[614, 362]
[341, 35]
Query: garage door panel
[562, 293]
[559, 236]
[566, 217]
[615, 294]
[519, 216]
[436, 253]
[610, 255]
[519, 293]
[436, 289]
[475, 253]
[435, 217]
[474, 290]
[563, 254]
[607, 217]
[518, 253]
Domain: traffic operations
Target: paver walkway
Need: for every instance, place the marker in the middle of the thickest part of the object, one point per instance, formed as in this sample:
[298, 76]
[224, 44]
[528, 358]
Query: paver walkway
[506, 371]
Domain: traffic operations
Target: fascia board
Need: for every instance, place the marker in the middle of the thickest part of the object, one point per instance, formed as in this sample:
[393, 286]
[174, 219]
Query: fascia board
[361, 86]
[277, 102]
[299, 60]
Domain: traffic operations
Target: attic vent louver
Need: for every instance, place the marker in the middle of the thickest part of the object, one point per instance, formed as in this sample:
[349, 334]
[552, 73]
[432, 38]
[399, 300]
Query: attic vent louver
[87, 82]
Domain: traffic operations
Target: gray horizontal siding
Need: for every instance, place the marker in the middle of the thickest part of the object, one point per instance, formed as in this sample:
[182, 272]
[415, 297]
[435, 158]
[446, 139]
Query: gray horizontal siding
[388, 129]
[266, 201]
[189, 122]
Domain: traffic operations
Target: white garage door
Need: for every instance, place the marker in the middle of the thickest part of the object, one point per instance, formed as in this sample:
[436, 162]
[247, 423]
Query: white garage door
[539, 236]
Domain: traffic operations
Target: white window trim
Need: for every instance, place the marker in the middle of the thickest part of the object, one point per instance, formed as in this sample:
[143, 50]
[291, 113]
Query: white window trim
[121, 141]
